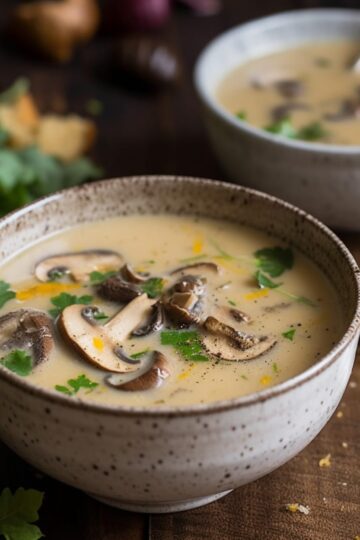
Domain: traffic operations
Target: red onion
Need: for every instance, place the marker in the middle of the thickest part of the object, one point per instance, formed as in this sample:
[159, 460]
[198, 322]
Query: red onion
[136, 14]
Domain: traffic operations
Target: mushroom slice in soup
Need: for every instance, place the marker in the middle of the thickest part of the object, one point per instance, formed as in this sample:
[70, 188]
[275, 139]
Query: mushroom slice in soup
[152, 378]
[289, 88]
[129, 274]
[27, 329]
[224, 342]
[154, 324]
[197, 268]
[116, 289]
[101, 345]
[181, 308]
[77, 265]
[233, 313]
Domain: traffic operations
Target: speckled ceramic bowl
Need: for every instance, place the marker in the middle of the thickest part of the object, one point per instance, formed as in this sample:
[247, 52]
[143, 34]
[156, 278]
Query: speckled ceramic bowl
[322, 179]
[168, 459]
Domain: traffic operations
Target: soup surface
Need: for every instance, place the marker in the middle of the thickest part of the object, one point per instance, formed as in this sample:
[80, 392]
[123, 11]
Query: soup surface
[228, 309]
[308, 93]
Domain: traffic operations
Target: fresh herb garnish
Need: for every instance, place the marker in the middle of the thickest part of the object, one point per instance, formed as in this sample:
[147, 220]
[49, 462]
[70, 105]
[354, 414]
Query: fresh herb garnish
[232, 303]
[275, 367]
[18, 513]
[289, 334]
[64, 300]
[282, 127]
[6, 293]
[18, 361]
[264, 282]
[241, 115]
[275, 260]
[186, 342]
[15, 91]
[139, 354]
[194, 258]
[74, 385]
[96, 278]
[312, 132]
[100, 316]
[153, 287]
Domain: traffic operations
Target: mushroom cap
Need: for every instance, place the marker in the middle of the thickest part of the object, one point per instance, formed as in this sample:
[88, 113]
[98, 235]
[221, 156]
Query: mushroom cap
[116, 289]
[78, 265]
[152, 378]
[100, 344]
[197, 268]
[30, 330]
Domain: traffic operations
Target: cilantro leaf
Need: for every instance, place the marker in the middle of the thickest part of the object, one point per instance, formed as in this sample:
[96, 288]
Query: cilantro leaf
[282, 127]
[19, 362]
[18, 512]
[289, 334]
[80, 170]
[153, 287]
[74, 385]
[46, 171]
[187, 343]
[98, 277]
[264, 282]
[6, 293]
[312, 132]
[274, 261]
[64, 300]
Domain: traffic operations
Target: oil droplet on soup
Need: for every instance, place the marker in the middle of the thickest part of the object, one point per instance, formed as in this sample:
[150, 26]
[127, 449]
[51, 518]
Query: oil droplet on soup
[164, 311]
[309, 93]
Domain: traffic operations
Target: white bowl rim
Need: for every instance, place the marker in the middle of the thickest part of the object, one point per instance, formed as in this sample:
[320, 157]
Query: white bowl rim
[51, 396]
[210, 101]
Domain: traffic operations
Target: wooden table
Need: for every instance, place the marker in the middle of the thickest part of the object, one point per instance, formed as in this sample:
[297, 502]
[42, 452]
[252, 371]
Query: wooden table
[163, 133]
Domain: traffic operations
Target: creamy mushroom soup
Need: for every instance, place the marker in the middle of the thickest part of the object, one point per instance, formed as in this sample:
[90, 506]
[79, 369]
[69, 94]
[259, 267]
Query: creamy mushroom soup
[310, 93]
[163, 310]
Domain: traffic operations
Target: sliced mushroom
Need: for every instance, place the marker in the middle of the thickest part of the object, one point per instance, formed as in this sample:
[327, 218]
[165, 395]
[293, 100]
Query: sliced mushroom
[280, 112]
[130, 275]
[152, 378]
[193, 284]
[27, 329]
[89, 314]
[233, 313]
[223, 341]
[154, 324]
[289, 88]
[348, 108]
[117, 290]
[102, 345]
[78, 265]
[197, 267]
[181, 308]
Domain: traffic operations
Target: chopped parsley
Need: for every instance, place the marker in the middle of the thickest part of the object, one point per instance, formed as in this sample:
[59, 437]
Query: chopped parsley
[139, 354]
[18, 513]
[275, 260]
[241, 115]
[282, 127]
[310, 132]
[264, 282]
[19, 362]
[289, 334]
[74, 385]
[99, 277]
[153, 287]
[100, 316]
[275, 367]
[232, 303]
[6, 293]
[64, 300]
[186, 342]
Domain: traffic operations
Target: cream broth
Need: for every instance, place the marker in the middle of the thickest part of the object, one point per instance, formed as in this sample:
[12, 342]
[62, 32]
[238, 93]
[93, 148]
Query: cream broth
[309, 93]
[300, 317]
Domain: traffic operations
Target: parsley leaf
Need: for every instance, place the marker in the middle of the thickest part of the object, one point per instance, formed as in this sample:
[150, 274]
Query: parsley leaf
[241, 115]
[282, 127]
[139, 354]
[274, 261]
[187, 343]
[100, 316]
[6, 293]
[64, 300]
[275, 367]
[98, 277]
[264, 282]
[18, 512]
[312, 132]
[74, 385]
[18, 361]
[289, 334]
[153, 287]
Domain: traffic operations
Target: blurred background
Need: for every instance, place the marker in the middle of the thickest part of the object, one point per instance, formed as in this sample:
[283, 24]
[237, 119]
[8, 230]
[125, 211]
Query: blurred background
[110, 80]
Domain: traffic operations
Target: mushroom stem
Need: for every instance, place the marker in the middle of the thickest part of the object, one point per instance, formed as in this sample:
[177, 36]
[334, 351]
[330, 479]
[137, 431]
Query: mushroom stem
[152, 378]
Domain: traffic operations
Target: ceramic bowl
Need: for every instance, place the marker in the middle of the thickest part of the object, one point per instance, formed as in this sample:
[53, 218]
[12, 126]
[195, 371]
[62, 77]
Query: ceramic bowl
[168, 459]
[322, 179]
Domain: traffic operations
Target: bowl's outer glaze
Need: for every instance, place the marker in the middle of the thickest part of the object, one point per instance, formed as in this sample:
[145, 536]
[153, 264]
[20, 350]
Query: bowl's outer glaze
[178, 458]
[323, 179]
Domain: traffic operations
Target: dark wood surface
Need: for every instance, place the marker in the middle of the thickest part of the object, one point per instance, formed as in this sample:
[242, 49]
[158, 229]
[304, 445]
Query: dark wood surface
[163, 133]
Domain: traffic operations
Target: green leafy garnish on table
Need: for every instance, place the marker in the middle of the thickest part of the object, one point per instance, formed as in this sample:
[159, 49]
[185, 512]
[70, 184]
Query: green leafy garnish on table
[74, 385]
[64, 300]
[18, 361]
[153, 287]
[289, 334]
[18, 513]
[275, 260]
[96, 278]
[264, 282]
[186, 342]
[6, 293]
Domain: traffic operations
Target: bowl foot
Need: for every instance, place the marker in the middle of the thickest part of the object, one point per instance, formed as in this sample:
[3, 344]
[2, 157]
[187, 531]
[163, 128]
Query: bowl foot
[161, 507]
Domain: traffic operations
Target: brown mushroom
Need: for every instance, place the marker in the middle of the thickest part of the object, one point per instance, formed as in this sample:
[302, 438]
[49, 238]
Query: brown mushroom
[116, 289]
[131, 276]
[77, 265]
[181, 308]
[102, 344]
[224, 342]
[281, 112]
[155, 322]
[27, 329]
[233, 313]
[289, 88]
[197, 267]
[152, 378]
